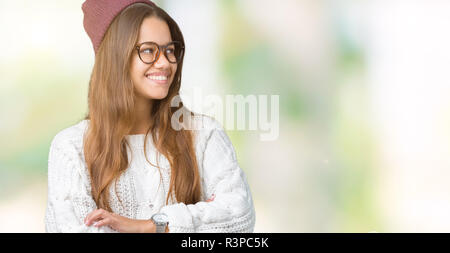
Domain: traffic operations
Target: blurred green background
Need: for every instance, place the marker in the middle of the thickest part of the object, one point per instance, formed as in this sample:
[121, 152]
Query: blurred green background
[364, 142]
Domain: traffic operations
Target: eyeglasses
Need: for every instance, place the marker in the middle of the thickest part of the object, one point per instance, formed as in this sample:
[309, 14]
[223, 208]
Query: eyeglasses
[149, 52]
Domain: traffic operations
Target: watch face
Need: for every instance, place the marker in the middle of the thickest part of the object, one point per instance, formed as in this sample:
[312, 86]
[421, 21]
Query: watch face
[160, 218]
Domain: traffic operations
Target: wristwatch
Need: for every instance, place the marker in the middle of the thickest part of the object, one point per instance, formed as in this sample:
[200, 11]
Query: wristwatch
[161, 221]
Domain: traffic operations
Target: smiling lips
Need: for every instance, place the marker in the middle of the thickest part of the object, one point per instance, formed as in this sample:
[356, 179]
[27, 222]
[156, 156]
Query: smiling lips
[158, 77]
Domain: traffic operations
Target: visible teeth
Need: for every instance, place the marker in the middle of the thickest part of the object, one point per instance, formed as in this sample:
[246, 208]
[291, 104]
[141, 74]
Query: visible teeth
[159, 78]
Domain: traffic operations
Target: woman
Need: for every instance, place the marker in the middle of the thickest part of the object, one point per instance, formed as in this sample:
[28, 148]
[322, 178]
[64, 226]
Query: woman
[128, 167]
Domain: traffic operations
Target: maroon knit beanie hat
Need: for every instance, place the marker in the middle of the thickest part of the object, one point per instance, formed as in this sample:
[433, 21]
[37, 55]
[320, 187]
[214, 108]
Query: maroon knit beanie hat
[98, 15]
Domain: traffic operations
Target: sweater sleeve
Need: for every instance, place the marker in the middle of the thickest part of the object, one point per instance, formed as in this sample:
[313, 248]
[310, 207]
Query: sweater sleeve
[69, 198]
[232, 209]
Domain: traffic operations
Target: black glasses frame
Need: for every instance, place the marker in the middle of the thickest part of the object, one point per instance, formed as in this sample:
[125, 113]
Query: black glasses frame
[161, 49]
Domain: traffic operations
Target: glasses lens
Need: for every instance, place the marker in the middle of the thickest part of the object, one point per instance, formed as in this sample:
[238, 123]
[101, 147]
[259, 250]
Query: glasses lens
[174, 52]
[148, 52]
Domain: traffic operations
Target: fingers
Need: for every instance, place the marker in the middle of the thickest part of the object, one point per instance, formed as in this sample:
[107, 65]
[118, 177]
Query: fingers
[104, 222]
[95, 215]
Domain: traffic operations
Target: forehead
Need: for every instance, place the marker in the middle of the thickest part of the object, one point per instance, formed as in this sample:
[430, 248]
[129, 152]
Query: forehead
[156, 30]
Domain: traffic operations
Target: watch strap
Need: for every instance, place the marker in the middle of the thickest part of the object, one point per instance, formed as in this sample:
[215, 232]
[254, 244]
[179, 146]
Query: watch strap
[161, 228]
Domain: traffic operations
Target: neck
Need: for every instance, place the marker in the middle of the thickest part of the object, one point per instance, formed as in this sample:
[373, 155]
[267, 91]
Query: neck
[142, 115]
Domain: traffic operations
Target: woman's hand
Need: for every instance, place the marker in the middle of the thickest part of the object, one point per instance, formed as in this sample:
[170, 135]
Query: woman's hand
[101, 217]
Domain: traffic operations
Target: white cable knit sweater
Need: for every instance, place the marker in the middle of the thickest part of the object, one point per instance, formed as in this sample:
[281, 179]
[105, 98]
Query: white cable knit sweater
[70, 199]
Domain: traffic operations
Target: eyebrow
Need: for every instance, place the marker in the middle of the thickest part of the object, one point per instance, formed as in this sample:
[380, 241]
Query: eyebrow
[155, 42]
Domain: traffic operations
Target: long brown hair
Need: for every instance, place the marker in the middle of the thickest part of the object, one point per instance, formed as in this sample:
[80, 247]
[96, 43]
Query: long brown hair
[111, 104]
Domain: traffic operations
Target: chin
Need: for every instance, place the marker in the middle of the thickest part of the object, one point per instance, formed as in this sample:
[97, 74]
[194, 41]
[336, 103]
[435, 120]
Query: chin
[158, 96]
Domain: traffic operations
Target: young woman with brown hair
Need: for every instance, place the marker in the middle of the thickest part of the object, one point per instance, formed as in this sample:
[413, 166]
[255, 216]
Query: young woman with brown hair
[125, 167]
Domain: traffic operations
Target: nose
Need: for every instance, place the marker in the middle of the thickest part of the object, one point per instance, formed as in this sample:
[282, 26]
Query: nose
[161, 61]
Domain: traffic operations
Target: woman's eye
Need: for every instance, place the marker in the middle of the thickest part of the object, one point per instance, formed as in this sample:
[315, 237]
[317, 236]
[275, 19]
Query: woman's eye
[169, 51]
[147, 51]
